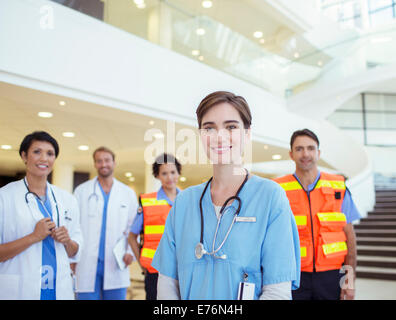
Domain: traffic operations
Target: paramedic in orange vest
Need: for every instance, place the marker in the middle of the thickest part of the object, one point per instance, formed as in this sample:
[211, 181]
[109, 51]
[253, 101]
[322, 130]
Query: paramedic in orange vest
[324, 211]
[151, 218]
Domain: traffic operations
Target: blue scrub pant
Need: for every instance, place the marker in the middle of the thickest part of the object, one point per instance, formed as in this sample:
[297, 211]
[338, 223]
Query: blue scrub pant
[99, 293]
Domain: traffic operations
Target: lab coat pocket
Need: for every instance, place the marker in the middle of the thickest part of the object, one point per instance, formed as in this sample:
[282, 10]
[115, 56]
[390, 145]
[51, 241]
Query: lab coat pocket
[9, 286]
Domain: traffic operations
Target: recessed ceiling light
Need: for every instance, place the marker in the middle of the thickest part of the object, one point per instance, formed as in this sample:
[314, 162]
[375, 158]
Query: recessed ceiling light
[128, 174]
[68, 134]
[62, 103]
[265, 147]
[200, 31]
[183, 179]
[141, 6]
[43, 114]
[258, 34]
[132, 179]
[276, 157]
[6, 147]
[137, 2]
[201, 58]
[320, 63]
[83, 148]
[296, 55]
[262, 40]
[207, 4]
[195, 52]
[151, 122]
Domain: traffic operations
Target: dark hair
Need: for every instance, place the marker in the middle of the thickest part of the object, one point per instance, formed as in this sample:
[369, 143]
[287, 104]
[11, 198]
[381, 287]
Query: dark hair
[218, 97]
[303, 132]
[165, 158]
[38, 136]
[103, 149]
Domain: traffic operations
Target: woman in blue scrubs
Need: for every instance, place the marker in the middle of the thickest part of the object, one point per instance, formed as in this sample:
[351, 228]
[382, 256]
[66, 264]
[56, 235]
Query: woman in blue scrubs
[233, 237]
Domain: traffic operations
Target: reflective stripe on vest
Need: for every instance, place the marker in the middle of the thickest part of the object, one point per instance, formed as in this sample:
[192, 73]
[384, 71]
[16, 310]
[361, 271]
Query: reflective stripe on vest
[148, 253]
[154, 229]
[146, 202]
[331, 216]
[303, 252]
[301, 220]
[335, 247]
[295, 185]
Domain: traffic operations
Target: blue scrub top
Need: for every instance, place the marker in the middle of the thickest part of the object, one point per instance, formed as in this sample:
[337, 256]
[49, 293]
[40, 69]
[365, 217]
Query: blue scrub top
[267, 250]
[48, 262]
[102, 243]
[137, 226]
[348, 207]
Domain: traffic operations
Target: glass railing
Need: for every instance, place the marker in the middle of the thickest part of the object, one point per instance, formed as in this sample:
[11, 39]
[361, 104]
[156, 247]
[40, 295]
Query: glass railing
[325, 54]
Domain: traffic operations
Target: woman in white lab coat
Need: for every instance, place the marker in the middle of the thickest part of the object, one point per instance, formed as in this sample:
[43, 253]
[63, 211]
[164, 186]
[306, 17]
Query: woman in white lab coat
[39, 228]
[109, 278]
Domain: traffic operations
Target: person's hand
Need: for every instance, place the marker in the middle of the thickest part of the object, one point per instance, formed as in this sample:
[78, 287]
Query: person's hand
[61, 235]
[73, 267]
[127, 259]
[43, 229]
[347, 294]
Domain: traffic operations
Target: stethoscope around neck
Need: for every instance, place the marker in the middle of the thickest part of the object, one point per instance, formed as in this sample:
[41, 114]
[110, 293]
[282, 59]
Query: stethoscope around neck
[199, 248]
[41, 201]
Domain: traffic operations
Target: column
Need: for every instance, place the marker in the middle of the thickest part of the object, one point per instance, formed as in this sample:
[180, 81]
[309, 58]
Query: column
[62, 176]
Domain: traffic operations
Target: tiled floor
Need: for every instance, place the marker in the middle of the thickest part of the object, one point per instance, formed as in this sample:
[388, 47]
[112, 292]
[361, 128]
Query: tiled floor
[366, 289]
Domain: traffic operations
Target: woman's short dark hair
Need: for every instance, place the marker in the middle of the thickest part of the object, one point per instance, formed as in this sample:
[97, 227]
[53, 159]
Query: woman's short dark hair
[38, 136]
[165, 158]
[303, 132]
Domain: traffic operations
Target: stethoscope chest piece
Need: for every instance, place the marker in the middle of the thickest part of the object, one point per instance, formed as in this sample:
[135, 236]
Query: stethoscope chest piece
[199, 250]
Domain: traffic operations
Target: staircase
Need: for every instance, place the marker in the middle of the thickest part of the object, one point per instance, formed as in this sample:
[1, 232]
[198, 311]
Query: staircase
[376, 239]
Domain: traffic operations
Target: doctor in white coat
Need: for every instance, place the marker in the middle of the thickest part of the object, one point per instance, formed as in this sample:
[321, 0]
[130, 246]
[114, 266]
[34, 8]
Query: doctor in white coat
[39, 229]
[108, 208]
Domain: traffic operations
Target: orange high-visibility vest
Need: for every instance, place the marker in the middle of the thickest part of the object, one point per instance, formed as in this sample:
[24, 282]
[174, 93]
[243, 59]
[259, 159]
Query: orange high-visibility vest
[155, 213]
[319, 220]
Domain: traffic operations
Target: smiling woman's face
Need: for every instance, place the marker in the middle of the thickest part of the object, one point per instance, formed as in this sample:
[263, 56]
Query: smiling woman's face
[223, 134]
[39, 158]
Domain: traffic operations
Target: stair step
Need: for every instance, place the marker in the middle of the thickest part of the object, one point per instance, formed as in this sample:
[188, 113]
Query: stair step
[385, 199]
[375, 273]
[379, 217]
[376, 225]
[376, 241]
[379, 262]
[383, 211]
[375, 233]
[384, 251]
[380, 205]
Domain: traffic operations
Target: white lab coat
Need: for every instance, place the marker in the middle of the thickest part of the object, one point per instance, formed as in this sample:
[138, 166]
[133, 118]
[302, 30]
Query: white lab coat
[121, 211]
[20, 277]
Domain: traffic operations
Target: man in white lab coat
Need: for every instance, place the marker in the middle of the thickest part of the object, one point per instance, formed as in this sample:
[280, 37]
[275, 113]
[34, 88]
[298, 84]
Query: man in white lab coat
[107, 209]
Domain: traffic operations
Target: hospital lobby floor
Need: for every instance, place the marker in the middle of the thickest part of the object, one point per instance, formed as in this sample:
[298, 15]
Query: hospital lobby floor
[366, 289]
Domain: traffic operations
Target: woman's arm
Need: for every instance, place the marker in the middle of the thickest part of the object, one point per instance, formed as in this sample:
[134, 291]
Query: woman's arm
[41, 231]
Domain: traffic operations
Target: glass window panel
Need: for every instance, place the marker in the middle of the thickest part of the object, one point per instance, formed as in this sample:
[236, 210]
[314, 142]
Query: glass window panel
[381, 120]
[346, 119]
[380, 102]
[376, 4]
[381, 137]
[381, 17]
[357, 135]
[353, 104]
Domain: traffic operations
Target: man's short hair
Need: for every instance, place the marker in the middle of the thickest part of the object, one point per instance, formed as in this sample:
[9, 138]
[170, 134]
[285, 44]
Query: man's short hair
[103, 149]
[303, 132]
[165, 158]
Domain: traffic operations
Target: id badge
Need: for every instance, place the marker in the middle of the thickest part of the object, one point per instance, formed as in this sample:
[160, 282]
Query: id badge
[246, 291]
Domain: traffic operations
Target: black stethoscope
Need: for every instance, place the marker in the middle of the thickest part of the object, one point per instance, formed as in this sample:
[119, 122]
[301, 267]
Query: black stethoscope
[199, 248]
[41, 201]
